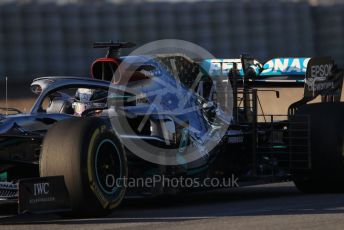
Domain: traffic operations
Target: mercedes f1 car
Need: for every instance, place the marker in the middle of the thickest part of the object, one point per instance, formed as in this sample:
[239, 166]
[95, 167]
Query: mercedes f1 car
[81, 134]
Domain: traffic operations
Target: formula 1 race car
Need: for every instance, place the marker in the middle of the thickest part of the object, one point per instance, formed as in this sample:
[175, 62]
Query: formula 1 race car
[145, 117]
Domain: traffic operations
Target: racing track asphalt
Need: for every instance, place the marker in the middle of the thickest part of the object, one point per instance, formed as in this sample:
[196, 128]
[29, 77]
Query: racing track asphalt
[274, 206]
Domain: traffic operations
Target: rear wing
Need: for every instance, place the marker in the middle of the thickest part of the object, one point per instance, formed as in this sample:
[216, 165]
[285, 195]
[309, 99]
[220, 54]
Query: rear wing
[323, 78]
[277, 70]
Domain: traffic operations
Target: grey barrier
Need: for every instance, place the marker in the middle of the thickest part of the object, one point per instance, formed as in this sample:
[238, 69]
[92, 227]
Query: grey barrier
[38, 39]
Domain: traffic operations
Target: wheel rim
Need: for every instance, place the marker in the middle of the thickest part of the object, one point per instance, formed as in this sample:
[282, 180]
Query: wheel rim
[108, 167]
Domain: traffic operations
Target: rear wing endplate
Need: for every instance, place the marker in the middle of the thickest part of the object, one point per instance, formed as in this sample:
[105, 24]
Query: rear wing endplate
[323, 78]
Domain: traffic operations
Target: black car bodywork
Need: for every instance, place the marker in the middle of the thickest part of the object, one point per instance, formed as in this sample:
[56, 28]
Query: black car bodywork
[254, 148]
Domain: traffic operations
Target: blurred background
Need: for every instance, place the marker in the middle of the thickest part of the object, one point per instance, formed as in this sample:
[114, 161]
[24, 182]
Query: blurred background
[45, 37]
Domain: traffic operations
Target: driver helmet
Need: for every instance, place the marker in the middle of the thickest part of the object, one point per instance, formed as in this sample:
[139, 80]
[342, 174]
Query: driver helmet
[89, 99]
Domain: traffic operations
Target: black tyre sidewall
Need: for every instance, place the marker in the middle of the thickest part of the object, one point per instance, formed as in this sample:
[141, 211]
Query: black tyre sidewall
[69, 150]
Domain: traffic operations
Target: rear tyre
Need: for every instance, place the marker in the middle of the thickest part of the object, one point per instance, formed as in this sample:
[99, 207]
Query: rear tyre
[92, 161]
[327, 149]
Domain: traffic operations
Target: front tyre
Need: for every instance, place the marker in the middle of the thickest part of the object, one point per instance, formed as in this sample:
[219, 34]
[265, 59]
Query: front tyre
[92, 161]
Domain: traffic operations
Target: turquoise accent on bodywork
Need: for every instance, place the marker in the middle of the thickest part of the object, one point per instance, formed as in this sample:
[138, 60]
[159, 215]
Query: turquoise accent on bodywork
[285, 66]
[273, 68]
[279, 147]
[221, 67]
[3, 176]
